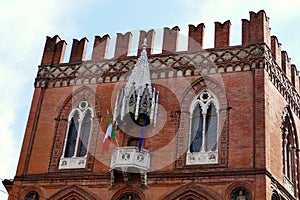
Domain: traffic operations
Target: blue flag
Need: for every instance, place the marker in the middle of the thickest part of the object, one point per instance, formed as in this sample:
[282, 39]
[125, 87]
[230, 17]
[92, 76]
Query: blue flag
[143, 132]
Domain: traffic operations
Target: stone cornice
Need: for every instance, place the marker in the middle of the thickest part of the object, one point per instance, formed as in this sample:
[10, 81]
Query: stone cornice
[175, 174]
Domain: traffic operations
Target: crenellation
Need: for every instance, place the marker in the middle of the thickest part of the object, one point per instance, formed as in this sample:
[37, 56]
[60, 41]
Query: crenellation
[254, 30]
[259, 30]
[196, 34]
[53, 50]
[78, 51]
[59, 52]
[222, 34]
[150, 35]
[123, 43]
[100, 47]
[170, 40]
[284, 57]
[276, 50]
[286, 64]
[245, 32]
[294, 75]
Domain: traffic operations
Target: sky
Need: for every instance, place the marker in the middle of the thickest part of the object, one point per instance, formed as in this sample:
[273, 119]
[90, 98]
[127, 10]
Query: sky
[24, 25]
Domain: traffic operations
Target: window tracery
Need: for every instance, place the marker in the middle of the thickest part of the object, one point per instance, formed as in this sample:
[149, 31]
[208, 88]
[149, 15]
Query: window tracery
[290, 156]
[77, 137]
[203, 132]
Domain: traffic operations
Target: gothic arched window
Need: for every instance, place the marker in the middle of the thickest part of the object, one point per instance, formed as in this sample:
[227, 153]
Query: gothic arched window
[129, 196]
[203, 131]
[290, 156]
[275, 196]
[240, 193]
[32, 195]
[77, 137]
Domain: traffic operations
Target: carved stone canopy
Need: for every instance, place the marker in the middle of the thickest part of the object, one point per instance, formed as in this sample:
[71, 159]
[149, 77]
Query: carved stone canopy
[138, 96]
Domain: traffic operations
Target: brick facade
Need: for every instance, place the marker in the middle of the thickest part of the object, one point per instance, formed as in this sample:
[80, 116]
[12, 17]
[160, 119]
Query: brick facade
[254, 83]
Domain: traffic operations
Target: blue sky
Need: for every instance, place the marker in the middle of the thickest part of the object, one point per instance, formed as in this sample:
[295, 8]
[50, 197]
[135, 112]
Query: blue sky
[25, 25]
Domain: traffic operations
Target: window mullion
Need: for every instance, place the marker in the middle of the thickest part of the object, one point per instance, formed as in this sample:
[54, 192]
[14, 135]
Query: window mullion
[290, 161]
[204, 133]
[190, 132]
[285, 157]
[78, 136]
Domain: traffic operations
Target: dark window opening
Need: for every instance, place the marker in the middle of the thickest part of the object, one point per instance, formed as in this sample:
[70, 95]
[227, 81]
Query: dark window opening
[211, 128]
[197, 130]
[33, 195]
[72, 136]
[240, 193]
[85, 133]
[130, 196]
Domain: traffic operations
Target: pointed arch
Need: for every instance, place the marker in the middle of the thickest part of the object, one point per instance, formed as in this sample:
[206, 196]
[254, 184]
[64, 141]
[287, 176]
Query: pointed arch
[63, 122]
[203, 131]
[129, 190]
[236, 187]
[73, 193]
[192, 192]
[216, 88]
[290, 152]
[82, 93]
[33, 189]
[275, 195]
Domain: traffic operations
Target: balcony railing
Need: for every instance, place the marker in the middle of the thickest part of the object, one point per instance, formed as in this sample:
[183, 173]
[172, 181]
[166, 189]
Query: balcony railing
[130, 159]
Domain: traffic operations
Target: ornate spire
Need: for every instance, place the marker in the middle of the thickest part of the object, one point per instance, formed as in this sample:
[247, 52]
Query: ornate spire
[138, 96]
[139, 78]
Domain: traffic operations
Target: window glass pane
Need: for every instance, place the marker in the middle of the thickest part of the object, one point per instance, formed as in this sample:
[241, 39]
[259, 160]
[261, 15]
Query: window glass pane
[72, 136]
[211, 128]
[197, 129]
[85, 133]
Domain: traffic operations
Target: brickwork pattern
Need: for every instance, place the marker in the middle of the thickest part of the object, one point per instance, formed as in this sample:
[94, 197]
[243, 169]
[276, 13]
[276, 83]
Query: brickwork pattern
[259, 81]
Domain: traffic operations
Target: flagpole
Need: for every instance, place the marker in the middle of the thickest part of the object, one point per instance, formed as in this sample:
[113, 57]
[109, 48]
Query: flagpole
[116, 138]
[143, 132]
[113, 124]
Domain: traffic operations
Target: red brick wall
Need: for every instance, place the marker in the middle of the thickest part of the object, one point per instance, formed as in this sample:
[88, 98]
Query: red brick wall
[254, 109]
[239, 91]
[26, 140]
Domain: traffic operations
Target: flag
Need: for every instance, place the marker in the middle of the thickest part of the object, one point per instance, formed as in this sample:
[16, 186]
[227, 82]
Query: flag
[110, 133]
[143, 132]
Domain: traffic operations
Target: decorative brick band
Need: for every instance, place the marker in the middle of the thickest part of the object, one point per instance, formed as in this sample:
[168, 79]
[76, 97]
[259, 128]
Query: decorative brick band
[282, 82]
[185, 64]
[212, 61]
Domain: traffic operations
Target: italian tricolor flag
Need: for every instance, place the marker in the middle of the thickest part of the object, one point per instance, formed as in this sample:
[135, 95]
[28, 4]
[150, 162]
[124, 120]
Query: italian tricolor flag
[110, 133]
